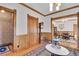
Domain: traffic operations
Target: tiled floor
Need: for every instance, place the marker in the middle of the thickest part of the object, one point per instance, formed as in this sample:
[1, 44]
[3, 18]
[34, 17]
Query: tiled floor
[43, 52]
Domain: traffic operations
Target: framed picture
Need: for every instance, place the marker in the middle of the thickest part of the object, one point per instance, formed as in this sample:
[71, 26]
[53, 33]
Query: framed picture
[61, 26]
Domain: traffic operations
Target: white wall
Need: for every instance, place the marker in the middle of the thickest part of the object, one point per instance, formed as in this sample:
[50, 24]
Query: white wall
[67, 23]
[21, 17]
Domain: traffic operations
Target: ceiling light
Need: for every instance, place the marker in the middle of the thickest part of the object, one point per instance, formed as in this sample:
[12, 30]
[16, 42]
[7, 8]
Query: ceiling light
[2, 11]
[58, 6]
[51, 6]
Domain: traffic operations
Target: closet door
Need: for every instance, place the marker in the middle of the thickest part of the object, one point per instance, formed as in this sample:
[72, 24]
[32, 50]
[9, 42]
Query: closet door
[33, 30]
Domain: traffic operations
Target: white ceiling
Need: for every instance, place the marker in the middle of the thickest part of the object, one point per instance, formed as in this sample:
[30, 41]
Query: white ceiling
[44, 7]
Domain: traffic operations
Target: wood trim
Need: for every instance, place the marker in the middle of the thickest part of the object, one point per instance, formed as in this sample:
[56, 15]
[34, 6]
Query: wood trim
[77, 6]
[73, 7]
[32, 9]
[78, 27]
[64, 16]
[27, 23]
[47, 35]
[51, 28]
[21, 41]
[7, 9]
[14, 18]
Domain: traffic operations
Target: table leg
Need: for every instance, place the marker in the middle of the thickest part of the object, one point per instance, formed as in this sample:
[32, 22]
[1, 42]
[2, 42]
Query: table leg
[52, 54]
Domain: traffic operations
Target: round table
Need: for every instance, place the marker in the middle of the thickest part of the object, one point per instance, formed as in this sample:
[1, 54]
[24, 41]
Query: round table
[57, 50]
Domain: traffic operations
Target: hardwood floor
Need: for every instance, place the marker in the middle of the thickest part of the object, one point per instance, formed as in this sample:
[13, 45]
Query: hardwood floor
[21, 52]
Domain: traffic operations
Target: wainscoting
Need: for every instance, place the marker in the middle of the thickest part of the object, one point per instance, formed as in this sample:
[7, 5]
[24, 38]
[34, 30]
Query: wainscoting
[21, 41]
[46, 35]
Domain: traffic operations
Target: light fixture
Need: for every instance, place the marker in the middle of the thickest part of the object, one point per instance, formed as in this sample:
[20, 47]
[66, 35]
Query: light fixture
[58, 6]
[53, 4]
[2, 11]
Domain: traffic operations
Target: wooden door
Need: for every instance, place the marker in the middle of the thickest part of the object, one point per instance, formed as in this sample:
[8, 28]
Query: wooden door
[33, 30]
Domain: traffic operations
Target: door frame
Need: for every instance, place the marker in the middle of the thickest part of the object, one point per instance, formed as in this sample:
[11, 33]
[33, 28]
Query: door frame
[14, 21]
[28, 26]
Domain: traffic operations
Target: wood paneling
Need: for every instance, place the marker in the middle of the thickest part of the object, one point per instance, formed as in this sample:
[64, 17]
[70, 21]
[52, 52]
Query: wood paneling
[21, 41]
[61, 32]
[46, 35]
[78, 28]
[7, 9]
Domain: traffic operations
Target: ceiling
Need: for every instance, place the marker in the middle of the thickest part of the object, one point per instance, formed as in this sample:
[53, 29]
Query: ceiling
[44, 7]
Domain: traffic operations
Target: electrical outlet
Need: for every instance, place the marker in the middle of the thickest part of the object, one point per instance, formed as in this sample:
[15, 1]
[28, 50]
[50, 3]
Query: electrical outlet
[18, 46]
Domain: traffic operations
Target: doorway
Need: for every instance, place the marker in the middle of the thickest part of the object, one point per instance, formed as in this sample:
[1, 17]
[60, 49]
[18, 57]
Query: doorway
[7, 27]
[33, 30]
[66, 28]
